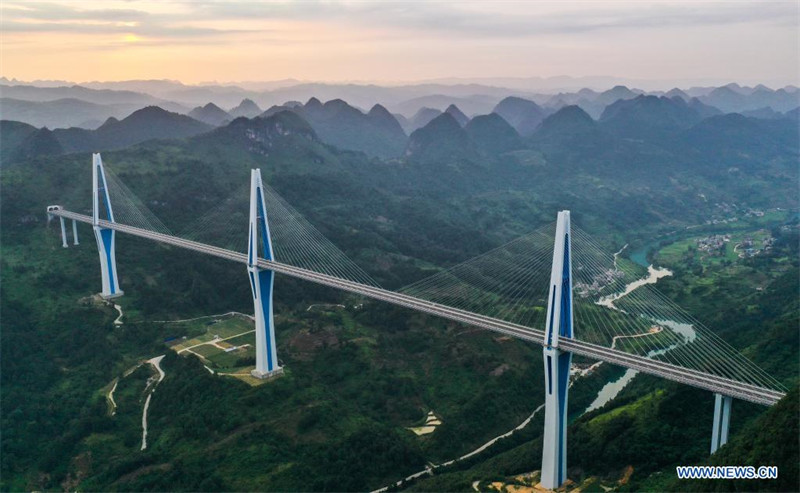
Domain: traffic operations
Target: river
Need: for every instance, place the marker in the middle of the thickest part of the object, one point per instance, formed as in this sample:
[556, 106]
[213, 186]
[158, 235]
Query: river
[612, 389]
[609, 390]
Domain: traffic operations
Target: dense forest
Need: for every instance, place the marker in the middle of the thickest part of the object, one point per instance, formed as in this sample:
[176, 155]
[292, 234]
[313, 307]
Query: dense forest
[358, 378]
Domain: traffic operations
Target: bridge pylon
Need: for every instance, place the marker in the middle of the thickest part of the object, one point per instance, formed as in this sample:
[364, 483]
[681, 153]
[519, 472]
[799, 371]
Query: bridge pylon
[261, 282]
[105, 237]
[556, 362]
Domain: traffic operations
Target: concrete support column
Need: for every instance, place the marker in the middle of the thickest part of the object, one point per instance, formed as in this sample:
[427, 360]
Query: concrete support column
[722, 421]
[63, 233]
[74, 232]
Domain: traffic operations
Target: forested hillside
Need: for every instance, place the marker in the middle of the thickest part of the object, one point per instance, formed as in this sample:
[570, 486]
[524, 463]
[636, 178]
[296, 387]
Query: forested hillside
[360, 376]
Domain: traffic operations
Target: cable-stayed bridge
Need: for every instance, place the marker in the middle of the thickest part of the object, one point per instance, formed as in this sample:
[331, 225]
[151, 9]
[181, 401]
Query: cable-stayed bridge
[555, 287]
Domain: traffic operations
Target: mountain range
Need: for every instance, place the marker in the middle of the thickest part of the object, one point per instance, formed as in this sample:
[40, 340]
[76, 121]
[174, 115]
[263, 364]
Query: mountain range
[514, 123]
[377, 132]
[121, 98]
[142, 125]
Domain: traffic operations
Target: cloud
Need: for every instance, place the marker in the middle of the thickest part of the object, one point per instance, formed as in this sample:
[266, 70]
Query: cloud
[402, 40]
[384, 19]
[508, 19]
[43, 17]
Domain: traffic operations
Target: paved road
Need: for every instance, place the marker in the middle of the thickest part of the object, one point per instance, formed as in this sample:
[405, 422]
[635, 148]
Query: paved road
[713, 383]
[156, 362]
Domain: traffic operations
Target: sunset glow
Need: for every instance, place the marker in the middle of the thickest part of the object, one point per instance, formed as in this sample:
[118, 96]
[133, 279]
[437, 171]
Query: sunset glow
[398, 41]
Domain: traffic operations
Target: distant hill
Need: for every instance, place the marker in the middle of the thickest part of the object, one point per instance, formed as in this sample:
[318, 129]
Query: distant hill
[570, 137]
[592, 102]
[63, 113]
[279, 128]
[376, 133]
[211, 114]
[492, 135]
[765, 113]
[615, 94]
[43, 142]
[12, 134]
[422, 117]
[148, 123]
[703, 110]
[281, 142]
[381, 118]
[733, 139]
[732, 98]
[677, 93]
[440, 141]
[20, 141]
[477, 103]
[247, 108]
[403, 121]
[648, 118]
[456, 113]
[522, 114]
[568, 121]
[97, 96]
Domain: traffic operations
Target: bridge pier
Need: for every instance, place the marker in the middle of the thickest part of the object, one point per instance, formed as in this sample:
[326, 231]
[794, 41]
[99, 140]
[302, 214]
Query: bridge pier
[556, 362]
[261, 282]
[75, 232]
[63, 233]
[105, 237]
[722, 421]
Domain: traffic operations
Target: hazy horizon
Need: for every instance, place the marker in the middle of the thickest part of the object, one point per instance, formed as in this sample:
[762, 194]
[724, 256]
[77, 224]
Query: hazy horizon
[658, 44]
[557, 82]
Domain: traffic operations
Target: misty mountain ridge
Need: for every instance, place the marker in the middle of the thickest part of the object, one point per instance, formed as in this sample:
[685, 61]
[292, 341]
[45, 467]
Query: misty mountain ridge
[20, 141]
[280, 132]
[422, 117]
[145, 124]
[492, 135]
[66, 112]
[247, 108]
[524, 115]
[211, 114]
[648, 117]
[456, 113]
[442, 140]
[403, 100]
[376, 133]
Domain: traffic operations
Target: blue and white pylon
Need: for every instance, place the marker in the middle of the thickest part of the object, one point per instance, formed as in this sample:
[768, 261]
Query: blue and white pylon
[261, 282]
[556, 362]
[105, 237]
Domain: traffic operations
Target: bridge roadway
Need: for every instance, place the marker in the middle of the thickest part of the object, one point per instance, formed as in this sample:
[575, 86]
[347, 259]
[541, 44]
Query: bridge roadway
[694, 378]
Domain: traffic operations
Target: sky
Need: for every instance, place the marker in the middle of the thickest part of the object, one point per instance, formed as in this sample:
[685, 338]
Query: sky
[392, 42]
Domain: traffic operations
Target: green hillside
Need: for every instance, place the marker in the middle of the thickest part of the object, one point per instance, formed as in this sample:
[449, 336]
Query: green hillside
[359, 377]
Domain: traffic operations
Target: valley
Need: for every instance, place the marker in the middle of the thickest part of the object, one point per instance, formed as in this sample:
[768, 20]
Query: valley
[359, 374]
[371, 246]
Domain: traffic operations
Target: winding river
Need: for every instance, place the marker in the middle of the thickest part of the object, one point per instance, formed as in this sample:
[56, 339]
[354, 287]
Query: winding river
[609, 390]
[612, 389]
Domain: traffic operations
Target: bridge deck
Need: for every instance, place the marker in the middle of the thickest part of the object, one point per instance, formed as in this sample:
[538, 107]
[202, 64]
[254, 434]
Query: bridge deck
[694, 378]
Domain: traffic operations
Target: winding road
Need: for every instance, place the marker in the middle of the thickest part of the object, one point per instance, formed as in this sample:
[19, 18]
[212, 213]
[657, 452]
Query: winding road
[156, 363]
